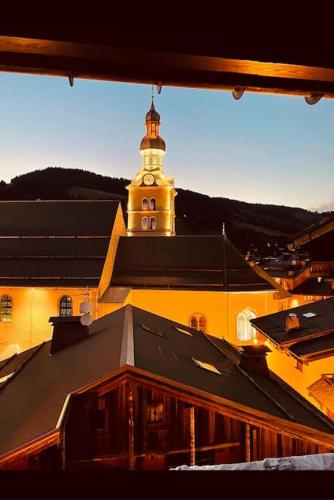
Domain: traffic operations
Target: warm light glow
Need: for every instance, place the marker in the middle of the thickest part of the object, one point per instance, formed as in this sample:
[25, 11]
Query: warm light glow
[255, 341]
[294, 303]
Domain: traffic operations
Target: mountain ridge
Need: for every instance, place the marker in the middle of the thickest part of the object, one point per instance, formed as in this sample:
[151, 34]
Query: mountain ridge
[248, 225]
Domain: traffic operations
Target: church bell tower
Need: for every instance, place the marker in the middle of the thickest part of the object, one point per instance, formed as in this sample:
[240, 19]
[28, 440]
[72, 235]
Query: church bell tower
[151, 209]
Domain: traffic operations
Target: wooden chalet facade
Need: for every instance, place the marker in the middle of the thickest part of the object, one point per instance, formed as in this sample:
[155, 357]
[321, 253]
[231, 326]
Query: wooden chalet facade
[131, 418]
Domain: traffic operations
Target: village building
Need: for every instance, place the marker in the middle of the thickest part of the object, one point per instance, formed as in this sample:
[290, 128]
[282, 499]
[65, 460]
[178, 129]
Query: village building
[309, 273]
[138, 391]
[53, 254]
[301, 341]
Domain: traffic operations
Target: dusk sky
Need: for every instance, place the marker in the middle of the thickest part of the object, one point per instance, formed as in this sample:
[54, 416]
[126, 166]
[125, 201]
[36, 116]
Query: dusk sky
[263, 148]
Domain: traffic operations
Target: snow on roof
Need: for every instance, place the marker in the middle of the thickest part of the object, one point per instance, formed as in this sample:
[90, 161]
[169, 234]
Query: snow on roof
[305, 462]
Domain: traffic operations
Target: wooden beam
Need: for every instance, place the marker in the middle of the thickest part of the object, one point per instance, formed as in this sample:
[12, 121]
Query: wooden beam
[192, 435]
[210, 447]
[131, 430]
[247, 443]
[160, 67]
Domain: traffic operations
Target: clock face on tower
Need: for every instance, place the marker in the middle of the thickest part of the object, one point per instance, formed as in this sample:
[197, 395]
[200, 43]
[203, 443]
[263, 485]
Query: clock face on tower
[148, 179]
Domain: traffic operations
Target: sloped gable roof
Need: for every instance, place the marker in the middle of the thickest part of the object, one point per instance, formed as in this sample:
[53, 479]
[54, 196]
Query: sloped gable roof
[54, 243]
[184, 262]
[31, 401]
[321, 321]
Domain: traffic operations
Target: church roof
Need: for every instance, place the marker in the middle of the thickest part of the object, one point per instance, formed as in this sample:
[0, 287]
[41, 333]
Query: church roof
[152, 115]
[48, 243]
[152, 142]
[184, 262]
[32, 399]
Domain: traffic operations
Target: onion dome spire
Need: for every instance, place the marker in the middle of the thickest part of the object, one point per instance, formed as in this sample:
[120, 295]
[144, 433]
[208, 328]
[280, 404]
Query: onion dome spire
[152, 140]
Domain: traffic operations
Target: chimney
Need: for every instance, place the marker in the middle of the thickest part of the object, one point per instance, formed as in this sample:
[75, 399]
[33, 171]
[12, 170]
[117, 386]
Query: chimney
[292, 322]
[253, 359]
[67, 331]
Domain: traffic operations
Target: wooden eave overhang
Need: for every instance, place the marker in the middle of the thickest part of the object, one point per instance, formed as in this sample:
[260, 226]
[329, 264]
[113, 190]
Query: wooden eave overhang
[313, 234]
[213, 68]
[289, 342]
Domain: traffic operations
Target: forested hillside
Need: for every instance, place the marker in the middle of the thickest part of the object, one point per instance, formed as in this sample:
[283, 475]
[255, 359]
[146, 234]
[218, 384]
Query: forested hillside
[248, 225]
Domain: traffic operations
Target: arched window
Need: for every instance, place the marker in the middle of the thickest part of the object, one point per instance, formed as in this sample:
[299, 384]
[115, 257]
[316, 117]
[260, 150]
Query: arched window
[153, 223]
[245, 331]
[202, 324]
[198, 322]
[144, 203]
[65, 306]
[193, 322]
[144, 223]
[152, 204]
[6, 308]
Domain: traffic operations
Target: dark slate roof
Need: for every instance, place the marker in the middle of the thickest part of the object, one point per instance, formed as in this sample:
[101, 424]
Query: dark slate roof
[273, 325]
[57, 218]
[312, 287]
[54, 243]
[31, 401]
[184, 262]
[323, 346]
[10, 365]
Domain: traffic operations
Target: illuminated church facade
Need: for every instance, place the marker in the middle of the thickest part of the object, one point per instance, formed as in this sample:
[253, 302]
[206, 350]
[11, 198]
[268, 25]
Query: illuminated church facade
[55, 254]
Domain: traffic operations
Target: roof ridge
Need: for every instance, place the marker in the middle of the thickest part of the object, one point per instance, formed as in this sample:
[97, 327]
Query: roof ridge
[263, 391]
[266, 394]
[127, 346]
[7, 360]
[15, 373]
[298, 397]
[59, 201]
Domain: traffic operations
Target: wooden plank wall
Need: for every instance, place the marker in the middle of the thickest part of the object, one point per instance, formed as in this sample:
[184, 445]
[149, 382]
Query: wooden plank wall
[161, 433]
[139, 426]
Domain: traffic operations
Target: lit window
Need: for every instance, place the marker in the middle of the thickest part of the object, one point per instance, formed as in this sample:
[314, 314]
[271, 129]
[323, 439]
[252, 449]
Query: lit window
[309, 314]
[6, 308]
[144, 203]
[153, 223]
[152, 204]
[144, 223]
[202, 324]
[206, 366]
[193, 322]
[65, 308]
[198, 322]
[245, 331]
[155, 332]
[155, 413]
[183, 331]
